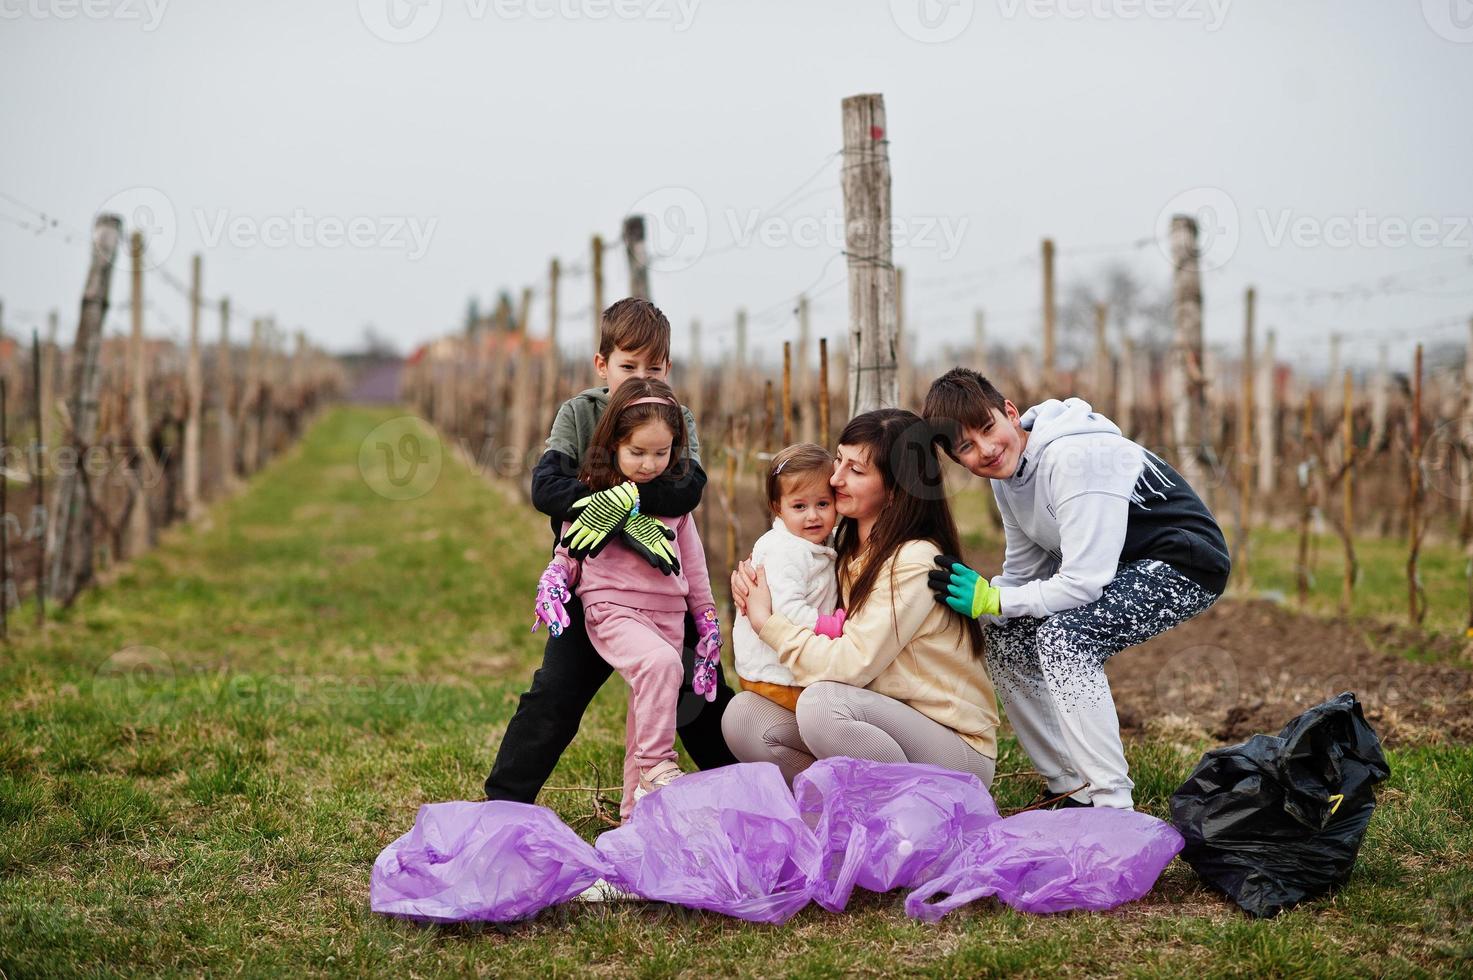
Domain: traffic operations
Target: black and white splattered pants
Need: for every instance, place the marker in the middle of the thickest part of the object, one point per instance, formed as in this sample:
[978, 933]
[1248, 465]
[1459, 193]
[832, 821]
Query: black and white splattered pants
[1051, 674]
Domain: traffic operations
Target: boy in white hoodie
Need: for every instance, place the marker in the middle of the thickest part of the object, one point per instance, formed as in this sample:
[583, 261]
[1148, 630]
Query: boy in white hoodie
[800, 567]
[1106, 546]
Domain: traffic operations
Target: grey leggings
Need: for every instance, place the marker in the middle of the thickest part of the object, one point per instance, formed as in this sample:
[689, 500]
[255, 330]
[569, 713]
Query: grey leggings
[837, 719]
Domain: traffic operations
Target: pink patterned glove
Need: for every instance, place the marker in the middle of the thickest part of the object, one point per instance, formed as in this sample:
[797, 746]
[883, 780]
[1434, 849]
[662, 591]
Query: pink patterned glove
[708, 654]
[831, 625]
[552, 593]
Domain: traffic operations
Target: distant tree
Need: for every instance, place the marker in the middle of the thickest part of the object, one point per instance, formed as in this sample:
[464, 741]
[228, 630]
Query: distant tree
[472, 316]
[376, 344]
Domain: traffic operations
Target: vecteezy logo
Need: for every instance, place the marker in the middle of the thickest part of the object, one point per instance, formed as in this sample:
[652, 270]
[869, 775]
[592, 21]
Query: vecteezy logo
[401, 458]
[149, 211]
[1451, 19]
[400, 21]
[676, 227]
[932, 21]
[1447, 459]
[1218, 227]
[137, 678]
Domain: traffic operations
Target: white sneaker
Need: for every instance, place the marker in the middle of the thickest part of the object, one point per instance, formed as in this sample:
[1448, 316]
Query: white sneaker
[602, 891]
[656, 776]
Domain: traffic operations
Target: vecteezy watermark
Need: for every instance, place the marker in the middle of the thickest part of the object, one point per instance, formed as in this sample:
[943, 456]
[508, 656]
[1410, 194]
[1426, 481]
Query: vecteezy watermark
[1211, 13]
[1200, 680]
[1218, 227]
[1450, 19]
[932, 21]
[678, 229]
[406, 21]
[401, 458]
[140, 677]
[942, 234]
[1447, 459]
[148, 211]
[405, 233]
[149, 13]
[1363, 229]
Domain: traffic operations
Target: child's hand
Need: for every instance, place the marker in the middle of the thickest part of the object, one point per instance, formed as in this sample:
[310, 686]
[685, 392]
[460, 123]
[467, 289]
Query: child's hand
[552, 593]
[708, 654]
[831, 625]
[652, 539]
[599, 515]
[962, 589]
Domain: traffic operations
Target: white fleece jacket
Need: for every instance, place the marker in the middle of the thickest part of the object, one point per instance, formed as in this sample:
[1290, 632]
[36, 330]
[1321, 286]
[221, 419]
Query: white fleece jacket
[801, 577]
[1065, 509]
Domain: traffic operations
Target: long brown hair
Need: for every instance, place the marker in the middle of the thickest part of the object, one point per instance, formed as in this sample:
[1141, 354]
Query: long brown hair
[901, 447]
[601, 463]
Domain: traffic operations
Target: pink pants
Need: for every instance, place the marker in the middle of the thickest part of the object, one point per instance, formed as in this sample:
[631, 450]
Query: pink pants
[644, 647]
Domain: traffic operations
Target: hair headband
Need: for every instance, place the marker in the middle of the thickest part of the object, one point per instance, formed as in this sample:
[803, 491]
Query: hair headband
[653, 400]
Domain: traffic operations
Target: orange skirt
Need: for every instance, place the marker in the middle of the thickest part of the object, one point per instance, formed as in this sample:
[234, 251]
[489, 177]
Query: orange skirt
[777, 693]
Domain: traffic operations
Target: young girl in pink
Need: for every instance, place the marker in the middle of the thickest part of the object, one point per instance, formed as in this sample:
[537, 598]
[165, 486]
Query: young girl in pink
[635, 611]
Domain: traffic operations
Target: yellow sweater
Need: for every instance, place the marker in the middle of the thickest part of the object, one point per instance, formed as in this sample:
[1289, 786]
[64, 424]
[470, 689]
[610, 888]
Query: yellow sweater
[902, 644]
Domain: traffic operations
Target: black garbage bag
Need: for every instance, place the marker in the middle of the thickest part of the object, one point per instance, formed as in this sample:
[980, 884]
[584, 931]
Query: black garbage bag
[1278, 819]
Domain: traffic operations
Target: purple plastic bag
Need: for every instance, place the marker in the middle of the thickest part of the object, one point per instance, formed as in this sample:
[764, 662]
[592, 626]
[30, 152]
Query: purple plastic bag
[493, 861]
[1054, 861]
[885, 825]
[729, 840]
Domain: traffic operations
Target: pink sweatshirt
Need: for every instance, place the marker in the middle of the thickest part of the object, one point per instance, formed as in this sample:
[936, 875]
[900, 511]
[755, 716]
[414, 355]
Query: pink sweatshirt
[620, 576]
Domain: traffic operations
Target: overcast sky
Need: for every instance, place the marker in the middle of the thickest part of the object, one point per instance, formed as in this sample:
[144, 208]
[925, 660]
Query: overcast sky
[380, 162]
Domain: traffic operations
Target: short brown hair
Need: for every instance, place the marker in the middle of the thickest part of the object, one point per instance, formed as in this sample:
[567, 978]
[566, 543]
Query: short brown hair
[601, 463]
[791, 465]
[960, 398]
[635, 325]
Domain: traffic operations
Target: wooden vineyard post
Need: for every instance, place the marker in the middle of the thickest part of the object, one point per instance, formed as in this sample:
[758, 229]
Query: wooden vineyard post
[730, 502]
[1104, 380]
[697, 374]
[1049, 314]
[194, 385]
[547, 401]
[801, 387]
[140, 534]
[38, 467]
[224, 382]
[1187, 392]
[635, 252]
[787, 393]
[823, 392]
[597, 269]
[1416, 597]
[1347, 438]
[1245, 447]
[1309, 498]
[1267, 429]
[768, 416]
[979, 342]
[873, 381]
[72, 555]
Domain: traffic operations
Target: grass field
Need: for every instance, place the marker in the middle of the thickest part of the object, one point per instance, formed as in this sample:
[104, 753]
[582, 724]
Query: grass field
[200, 761]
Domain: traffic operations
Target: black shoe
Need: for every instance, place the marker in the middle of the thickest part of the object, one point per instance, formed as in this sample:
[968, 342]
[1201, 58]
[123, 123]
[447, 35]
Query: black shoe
[1047, 799]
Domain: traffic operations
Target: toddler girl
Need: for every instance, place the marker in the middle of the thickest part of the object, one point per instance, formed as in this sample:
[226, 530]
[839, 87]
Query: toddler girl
[635, 612]
[800, 567]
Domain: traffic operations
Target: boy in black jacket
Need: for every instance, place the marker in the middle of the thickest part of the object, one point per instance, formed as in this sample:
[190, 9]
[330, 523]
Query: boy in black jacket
[634, 342]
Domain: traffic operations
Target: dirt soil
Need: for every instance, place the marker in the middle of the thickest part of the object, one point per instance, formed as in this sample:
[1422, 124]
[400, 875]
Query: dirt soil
[1250, 666]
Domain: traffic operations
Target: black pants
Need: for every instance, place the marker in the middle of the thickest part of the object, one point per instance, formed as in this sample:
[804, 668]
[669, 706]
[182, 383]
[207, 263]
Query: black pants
[549, 713]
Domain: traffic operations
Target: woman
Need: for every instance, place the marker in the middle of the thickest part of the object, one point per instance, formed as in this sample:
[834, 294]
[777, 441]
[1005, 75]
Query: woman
[906, 680]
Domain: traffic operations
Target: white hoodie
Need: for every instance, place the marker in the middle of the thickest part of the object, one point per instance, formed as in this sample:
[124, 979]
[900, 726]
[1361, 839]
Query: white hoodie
[1066, 508]
[801, 577]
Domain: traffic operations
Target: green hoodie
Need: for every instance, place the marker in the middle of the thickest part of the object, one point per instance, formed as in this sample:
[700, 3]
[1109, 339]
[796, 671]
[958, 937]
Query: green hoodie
[577, 416]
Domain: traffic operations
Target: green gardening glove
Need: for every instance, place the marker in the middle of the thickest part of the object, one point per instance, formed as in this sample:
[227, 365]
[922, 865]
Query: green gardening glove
[963, 589]
[652, 539]
[598, 517]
